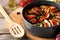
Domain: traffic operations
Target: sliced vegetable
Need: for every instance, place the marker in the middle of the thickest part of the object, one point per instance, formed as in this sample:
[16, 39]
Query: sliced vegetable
[46, 10]
[57, 19]
[52, 8]
[41, 19]
[47, 23]
[37, 9]
[33, 21]
[44, 6]
[47, 15]
[57, 16]
[36, 13]
[57, 13]
[53, 22]
[41, 25]
[44, 17]
[30, 16]
[31, 12]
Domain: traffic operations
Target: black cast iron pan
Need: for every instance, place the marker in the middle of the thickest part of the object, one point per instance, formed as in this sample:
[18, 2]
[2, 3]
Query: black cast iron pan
[41, 31]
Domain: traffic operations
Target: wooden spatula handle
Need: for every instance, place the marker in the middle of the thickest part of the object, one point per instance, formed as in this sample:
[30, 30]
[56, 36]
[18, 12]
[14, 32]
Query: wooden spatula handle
[5, 14]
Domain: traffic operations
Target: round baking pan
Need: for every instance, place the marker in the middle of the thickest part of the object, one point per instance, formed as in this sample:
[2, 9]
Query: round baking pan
[41, 31]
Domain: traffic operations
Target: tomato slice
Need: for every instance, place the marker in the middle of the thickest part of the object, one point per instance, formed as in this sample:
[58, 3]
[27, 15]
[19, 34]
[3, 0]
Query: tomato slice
[47, 15]
[33, 20]
[54, 22]
[43, 17]
[43, 6]
[46, 10]
[57, 13]
[46, 25]
[56, 19]
[31, 16]
[31, 12]
[37, 9]
[47, 22]
[52, 8]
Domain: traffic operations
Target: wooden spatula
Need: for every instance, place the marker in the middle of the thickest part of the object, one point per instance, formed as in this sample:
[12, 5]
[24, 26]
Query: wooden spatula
[15, 29]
